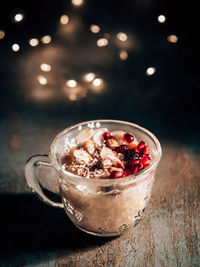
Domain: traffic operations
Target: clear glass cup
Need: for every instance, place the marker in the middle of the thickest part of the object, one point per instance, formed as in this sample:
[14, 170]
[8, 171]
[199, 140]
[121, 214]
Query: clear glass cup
[103, 207]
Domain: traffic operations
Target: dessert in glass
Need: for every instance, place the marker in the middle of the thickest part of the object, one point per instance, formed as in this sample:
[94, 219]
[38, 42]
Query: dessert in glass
[105, 172]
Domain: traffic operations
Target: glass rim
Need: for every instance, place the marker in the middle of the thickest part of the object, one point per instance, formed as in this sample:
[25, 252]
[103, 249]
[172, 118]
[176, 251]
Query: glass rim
[134, 177]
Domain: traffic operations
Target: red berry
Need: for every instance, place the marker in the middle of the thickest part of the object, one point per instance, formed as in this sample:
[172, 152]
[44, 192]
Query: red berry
[121, 149]
[128, 137]
[120, 165]
[107, 135]
[131, 163]
[141, 146]
[146, 150]
[116, 174]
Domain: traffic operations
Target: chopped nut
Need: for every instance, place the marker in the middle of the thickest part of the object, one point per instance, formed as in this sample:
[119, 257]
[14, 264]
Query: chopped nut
[89, 146]
[132, 145]
[82, 156]
[115, 169]
[112, 142]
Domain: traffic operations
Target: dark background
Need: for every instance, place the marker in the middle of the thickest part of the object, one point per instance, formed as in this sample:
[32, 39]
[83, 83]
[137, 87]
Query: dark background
[167, 103]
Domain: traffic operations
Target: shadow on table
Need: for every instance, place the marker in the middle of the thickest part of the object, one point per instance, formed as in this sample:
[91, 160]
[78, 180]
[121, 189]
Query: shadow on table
[28, 225]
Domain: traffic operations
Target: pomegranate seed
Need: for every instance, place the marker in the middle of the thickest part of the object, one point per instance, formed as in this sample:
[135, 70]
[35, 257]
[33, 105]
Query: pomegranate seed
[145, 161]
[131, 163]
[136, 169]
[107, 135]
[128, 137]
[116, 174]
[121, 149]
[140, 146]
[146, 150]
[120, 165]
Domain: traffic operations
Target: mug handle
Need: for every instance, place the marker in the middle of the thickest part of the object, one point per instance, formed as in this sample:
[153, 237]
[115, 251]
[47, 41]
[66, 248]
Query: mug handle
[33, 164]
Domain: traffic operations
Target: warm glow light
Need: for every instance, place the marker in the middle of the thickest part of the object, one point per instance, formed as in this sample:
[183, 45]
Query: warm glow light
[150, 71]
[122, 36]
[2, 34]
[161, 18]
[102, 42]
[46, 39]
[15, 47]
[97, 82]
[33, 42]
[42, 80]
[18, 17]
[95, 28]
[172, 38]
[45, 67]
[71, 83]
[77, 2]
[123, 55]
[72, 97]
[89, 77]
[64, 19]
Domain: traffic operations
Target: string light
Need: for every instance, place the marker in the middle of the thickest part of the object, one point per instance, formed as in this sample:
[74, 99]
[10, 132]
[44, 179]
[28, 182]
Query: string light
[150, 71]
[64, 19]
[102, 42]
[97, 82]
[46, 39]
[89, 77]
[18, 17]
[161, 18]
[45, 67]
[42, 80]
[34, 42]
[71, 83]
[172, 38]
[77, 2]
[122, 36]
[15, 47]
[123, 55]
[94, 28]
[2, 34]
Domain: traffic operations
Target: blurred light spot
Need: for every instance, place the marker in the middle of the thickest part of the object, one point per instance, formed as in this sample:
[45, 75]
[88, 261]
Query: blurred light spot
[98, 124]
[172, 38]
[15, 47]
[46, 39]
[89, 77]
[18, 17]
[33, 42]
[45, 67]
[95, 28]
[161, 18]
[102, 42]
[42, 80]
[2, 34]
[71, 83]
[150, 71]
[64, 19]
[122, 36]
[123, 55]
[97, 82]
[72, 97]
[77, 2]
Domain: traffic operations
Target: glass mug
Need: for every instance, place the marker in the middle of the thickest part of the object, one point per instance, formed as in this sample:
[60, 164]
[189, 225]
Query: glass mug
[103, 207]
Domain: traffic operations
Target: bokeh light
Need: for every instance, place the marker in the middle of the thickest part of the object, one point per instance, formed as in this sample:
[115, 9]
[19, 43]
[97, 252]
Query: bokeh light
[71, 83]
[94, 28]
[123, 55]
[77, 2]
[150, 71]
[42, 80]
[46, 39]
[18, 17]
[102, 42]
[15, 47]
[172, 38]
[64, 19]
[89, 77]
[45, 67]
[34, 42]
[122, 36]
[2, 34]
[161, 18]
